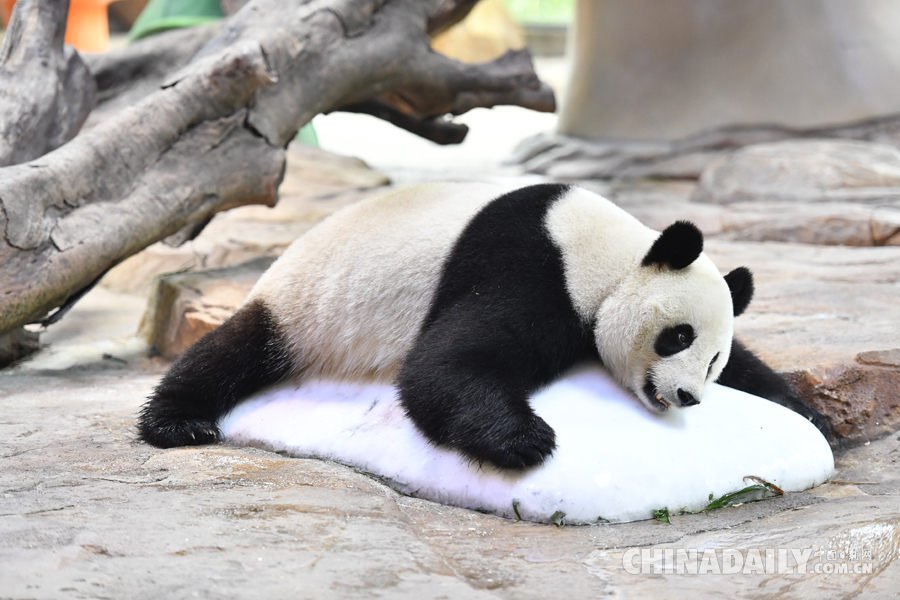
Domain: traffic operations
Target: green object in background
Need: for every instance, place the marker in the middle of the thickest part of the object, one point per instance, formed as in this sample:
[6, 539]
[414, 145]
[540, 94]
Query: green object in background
[307, 135]
[161, 15]
[543, 12]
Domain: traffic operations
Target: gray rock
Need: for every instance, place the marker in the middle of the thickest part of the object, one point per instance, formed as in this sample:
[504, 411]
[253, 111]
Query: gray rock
[804, 171]
[824, 316]
[660, 203]
[88, 511]
[183, 307]
[826, 223]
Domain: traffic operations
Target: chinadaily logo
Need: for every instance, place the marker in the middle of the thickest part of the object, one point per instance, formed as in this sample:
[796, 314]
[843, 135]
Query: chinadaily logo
[768, 561]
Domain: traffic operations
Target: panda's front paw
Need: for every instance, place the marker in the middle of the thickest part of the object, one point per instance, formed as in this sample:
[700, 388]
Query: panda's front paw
[527, 444]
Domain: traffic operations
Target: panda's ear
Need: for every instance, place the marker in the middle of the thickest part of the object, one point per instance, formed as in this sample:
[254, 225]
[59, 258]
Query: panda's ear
[740, 282]
[677, 246]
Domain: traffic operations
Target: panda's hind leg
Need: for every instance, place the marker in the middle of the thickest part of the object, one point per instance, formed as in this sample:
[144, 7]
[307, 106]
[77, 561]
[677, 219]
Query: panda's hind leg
[464, 395]
[244, 354]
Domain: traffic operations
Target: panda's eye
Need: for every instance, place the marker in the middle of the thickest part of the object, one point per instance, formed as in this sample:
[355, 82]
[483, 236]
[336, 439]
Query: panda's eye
[672, 340]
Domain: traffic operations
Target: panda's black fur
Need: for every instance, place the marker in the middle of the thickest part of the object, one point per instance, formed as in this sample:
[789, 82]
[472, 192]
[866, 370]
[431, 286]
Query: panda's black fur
[501, 323]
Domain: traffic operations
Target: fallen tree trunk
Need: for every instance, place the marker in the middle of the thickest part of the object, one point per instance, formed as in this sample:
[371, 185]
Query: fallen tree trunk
[127, 75]
[213, 135]
[46, 91]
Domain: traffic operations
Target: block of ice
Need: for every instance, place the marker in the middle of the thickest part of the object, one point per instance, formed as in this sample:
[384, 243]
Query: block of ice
[615, 460]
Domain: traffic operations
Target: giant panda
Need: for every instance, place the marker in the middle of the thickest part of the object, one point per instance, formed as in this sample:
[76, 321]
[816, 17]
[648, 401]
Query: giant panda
[469, 297]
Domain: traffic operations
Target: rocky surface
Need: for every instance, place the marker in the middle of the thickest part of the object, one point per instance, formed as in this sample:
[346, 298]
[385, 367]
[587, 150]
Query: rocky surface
[829, 318]
[812, 191]
[660, 203]
[574, 158]
[87, 511]
[183, 307]
[804, 171]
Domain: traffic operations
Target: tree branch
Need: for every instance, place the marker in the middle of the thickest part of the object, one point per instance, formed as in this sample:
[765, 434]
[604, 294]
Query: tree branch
[126, 76]
[46, 92]
[212, 136]
[431, 128]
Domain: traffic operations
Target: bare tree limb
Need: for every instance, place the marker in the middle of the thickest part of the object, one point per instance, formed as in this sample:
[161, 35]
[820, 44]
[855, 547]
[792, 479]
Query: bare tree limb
[447, 14]
[435, 129]
[46, 92]
[128, 75]
[456, 88]
[212, 135]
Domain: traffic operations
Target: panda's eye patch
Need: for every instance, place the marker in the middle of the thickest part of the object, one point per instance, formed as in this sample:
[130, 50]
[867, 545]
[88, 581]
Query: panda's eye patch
[673, 340]
[711, 363]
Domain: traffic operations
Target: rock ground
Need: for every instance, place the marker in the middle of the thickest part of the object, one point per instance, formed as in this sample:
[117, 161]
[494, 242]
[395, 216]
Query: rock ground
[87, 511]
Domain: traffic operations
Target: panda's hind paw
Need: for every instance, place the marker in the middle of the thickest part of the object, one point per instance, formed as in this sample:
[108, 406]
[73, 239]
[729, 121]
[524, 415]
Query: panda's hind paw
[169, 433]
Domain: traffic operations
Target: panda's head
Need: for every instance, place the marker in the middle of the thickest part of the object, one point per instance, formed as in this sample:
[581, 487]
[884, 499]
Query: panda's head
[666, 331]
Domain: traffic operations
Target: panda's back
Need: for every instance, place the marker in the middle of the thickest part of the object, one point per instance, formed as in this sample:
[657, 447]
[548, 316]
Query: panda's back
[350, 295]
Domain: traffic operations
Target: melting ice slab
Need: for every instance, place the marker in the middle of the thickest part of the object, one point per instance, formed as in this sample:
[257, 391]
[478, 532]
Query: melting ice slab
[614, 460]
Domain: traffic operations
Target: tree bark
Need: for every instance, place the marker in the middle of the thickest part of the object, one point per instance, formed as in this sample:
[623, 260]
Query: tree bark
[127, 75]
[212, 135]
[46, 91]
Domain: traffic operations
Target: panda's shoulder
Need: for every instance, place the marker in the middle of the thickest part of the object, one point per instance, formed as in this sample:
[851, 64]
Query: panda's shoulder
[518, 212]
[506, 250]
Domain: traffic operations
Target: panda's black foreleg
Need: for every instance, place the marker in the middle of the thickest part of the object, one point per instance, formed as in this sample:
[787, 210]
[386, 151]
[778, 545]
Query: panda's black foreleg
[746, 372]
[462, 394]
[228, 364]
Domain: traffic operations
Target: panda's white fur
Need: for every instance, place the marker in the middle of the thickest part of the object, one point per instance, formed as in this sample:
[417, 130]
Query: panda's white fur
[602, 247]
[351, 295]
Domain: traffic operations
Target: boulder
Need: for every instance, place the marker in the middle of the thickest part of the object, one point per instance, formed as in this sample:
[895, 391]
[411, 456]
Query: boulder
[660, 203]
[183, 307]
[829, 320]
[828, 223]
[804, 170]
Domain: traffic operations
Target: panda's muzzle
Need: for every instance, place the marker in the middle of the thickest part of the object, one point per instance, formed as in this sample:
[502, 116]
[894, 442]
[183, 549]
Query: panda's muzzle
[652, 393]
[685, 398]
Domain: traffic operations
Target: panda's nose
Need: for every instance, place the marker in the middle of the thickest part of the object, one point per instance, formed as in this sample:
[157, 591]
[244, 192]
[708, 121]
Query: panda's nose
[686, 398]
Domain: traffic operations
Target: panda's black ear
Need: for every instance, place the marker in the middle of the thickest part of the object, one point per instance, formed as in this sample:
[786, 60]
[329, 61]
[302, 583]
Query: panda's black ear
[740, 282]
[677, 246]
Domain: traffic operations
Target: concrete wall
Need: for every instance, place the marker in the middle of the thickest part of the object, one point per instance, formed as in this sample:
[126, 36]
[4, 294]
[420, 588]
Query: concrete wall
[662, 69]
